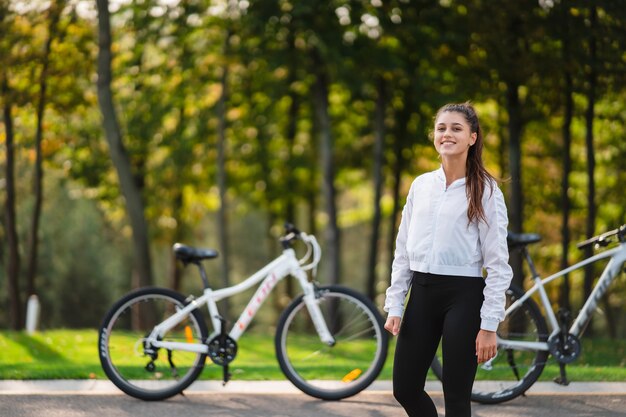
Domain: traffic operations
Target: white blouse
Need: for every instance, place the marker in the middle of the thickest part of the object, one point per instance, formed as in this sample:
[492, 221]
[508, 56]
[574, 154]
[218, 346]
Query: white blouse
[435, 237]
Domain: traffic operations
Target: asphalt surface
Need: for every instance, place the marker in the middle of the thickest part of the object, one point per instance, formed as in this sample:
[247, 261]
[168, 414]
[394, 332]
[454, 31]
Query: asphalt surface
[82, 398]
[280, 399]
[366, 404]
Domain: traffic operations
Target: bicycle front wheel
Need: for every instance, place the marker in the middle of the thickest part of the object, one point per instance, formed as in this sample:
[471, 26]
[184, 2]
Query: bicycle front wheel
[347, 367]
[137, 369]
[512, 371]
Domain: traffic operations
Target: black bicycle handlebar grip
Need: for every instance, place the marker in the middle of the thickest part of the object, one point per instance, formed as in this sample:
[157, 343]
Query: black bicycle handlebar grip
[290, 228]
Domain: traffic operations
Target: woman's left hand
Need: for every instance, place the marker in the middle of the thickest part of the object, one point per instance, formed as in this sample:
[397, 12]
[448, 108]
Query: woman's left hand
[486, 345]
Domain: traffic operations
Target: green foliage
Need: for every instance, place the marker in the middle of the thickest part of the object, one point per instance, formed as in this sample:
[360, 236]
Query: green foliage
[168, 63]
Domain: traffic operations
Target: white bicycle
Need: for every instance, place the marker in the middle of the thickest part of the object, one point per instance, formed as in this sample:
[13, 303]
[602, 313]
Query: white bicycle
[525, 340]
[329, 341]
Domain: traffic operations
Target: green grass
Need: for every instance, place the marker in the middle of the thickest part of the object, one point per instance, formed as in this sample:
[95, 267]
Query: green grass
[73, 354]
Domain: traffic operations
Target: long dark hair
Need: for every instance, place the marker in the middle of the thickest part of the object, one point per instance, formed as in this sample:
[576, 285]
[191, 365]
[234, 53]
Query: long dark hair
[476, 173]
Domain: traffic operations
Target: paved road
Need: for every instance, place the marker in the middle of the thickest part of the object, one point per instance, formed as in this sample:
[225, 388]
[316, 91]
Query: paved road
[366, 404]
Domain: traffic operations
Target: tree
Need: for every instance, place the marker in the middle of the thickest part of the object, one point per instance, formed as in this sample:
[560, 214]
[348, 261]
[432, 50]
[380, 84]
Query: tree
[13, 261]
[33, 242]
[320, 99]
[568, 94]
[222, 217]
[10, 218]
[130, 190]
[379, 127]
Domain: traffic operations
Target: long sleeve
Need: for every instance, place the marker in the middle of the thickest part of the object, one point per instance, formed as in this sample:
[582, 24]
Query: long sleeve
[495, 258]
[400, 269]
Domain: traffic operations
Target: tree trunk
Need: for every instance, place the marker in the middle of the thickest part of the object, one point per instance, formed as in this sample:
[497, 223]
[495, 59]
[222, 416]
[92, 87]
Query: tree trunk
[33, 240]
[176, 272]
[504, 146]
[222, 215]
[611, 320]
[294, 108]
[515, 165]
[332, 237]
[591, 161]
[121, 161]
[567, 167]
[13, 260]
[379, 128]
[401, 137]
[311, 190]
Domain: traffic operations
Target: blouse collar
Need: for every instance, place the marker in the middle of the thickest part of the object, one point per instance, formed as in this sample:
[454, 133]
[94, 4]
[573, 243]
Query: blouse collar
[441, 175]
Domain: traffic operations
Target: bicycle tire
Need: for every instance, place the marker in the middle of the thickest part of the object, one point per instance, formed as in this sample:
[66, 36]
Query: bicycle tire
[121, 350]
[498, 390]
[351, 364]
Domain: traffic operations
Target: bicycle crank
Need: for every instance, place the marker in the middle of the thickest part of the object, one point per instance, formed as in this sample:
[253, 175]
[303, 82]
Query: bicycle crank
[222, 349]
[565, 348]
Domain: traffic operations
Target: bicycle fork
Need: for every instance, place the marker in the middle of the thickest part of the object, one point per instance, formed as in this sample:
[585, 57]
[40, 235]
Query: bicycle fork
[311, 299]
[319, 322]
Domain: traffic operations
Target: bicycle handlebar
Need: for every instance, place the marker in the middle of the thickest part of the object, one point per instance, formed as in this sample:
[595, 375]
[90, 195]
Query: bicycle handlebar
[291, 234]
[313, 248]
[290, 228]
[605, 238]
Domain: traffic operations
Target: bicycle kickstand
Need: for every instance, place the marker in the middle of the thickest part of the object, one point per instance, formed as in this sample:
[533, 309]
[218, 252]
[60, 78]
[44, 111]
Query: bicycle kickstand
[562, 379]
[223, 336]
[564, 319]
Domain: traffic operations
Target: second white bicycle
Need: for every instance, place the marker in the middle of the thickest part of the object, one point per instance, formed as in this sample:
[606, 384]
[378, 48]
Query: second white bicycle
[329, 342]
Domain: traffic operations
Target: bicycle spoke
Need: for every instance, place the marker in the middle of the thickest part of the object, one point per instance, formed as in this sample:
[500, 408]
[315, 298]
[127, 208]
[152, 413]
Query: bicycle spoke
[514, 368]
[129, 360]
[332, 372]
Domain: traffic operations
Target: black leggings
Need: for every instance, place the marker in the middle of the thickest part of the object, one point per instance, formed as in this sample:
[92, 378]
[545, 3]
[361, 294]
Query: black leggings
[446, 308]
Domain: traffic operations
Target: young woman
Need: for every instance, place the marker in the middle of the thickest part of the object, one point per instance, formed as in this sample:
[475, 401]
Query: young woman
[454, 226]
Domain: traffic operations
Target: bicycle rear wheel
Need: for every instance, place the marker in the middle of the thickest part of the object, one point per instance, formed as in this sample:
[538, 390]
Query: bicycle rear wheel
[512, 371]
[347, 367]
[123, 353]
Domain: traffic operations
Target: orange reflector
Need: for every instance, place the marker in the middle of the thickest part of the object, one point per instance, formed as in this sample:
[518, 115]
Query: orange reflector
[188, 334]
[352, 375]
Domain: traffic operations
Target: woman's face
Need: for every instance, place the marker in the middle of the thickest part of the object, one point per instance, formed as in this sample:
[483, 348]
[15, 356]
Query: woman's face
[452, 135]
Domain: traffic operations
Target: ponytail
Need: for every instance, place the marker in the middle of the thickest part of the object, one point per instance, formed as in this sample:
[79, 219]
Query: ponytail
[477, 176]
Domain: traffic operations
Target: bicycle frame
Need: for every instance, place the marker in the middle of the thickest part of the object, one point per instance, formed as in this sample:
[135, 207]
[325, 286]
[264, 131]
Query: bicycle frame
[268, 276]
[610, 272]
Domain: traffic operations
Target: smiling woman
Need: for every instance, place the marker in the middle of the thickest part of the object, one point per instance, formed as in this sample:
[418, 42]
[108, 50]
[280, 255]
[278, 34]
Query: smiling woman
[453, 138]
[451, 230]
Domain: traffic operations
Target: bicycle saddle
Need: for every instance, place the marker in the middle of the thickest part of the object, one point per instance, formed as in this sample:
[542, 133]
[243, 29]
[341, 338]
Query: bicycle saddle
[190, 254]
[518, 240]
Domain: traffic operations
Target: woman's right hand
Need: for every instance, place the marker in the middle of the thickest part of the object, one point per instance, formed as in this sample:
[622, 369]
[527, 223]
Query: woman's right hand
[393, 325]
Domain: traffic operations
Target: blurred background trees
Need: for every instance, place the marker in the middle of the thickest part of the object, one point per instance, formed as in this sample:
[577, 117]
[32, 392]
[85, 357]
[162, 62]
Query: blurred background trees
[236, 116]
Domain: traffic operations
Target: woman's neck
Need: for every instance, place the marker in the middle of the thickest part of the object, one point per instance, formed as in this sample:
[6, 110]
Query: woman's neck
[453, 170]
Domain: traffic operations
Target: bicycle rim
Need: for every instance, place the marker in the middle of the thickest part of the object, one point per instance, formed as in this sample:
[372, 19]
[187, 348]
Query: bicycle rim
[122, 342]
[347, 367]
[513, 371]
